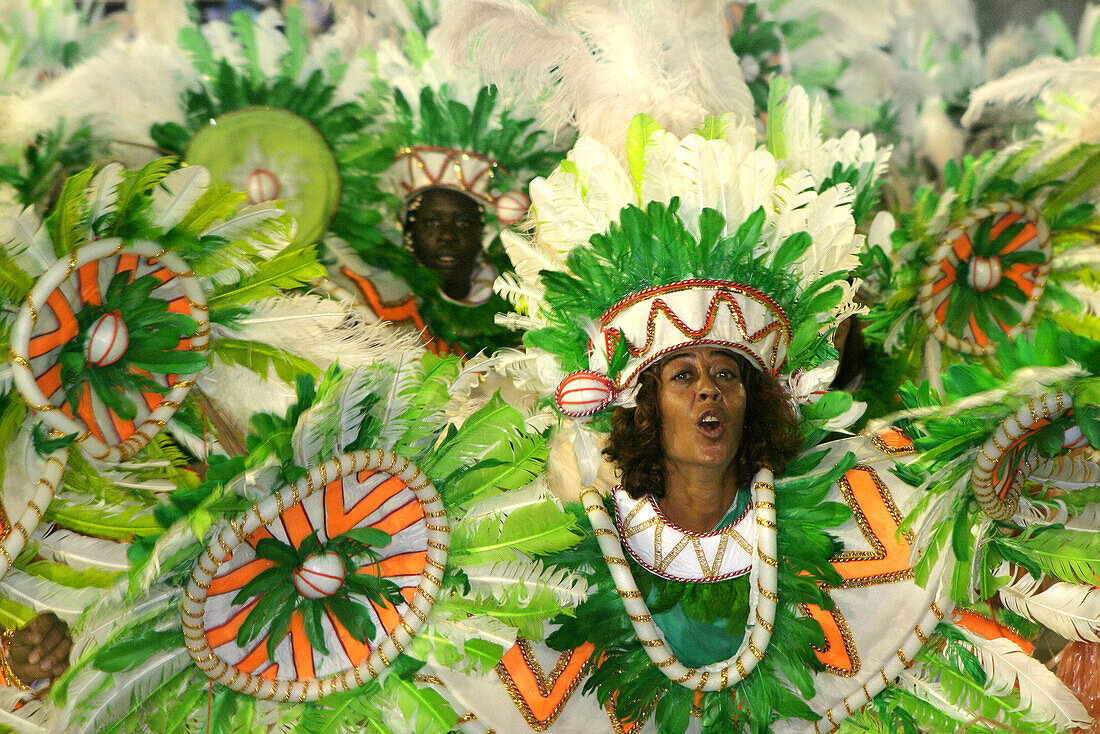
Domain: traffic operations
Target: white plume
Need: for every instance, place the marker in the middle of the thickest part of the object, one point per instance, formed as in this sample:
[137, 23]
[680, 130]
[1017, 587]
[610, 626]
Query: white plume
[600, 63]
[520, 580]
[177, 193]
[43, 595]
[102, 192]
[321, 330]
[1071, 610]
[114, 700]
[123, 90]
[81, 552]
[26, 240]
[1043, 697]
[1026, 83]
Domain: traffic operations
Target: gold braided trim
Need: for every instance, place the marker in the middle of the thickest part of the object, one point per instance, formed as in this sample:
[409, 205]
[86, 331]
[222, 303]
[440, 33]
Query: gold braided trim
[770, 596]
[702, 680]
[756, 653]
[603, 531]
[439, 546]
[740, 667]
[437, 528]
[685, 677]
[615, 561]
[766, 558]
[765, 624]
[629, 594]
[764, 505]
[764, 523]
[434, 564]
[643, 618]
[666, 662]
[652, 643]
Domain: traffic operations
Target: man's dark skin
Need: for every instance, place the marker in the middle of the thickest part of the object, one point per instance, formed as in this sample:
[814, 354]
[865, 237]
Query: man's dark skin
[40, 649]
[444, 228]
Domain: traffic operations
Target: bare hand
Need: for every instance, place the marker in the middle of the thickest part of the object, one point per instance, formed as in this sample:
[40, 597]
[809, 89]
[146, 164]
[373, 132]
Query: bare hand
[40, 649]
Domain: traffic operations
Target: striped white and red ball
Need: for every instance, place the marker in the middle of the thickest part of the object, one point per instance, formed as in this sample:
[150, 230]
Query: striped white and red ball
[107, 340]
[320, 575]
[985, 273]
[584, 393]
[262, 185]
[511, 207]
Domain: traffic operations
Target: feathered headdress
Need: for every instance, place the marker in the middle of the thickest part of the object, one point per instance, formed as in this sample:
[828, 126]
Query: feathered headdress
[700, 240]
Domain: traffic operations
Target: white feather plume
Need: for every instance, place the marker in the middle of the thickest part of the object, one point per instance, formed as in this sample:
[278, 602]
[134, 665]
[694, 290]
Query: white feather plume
[34, 716]
[1043, 697]
[26, 240]
[121, 691]
[1027, 82]
[321, 330]
[331, 424]
[43, 595]
[102, 192]
[603, 62]
[81, 552]
[123, 90]
[177, 193]
[1071, 610]
[520, 580]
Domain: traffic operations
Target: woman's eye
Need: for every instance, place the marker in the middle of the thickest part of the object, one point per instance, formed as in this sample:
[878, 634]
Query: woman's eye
[682, 375]
[727, 375]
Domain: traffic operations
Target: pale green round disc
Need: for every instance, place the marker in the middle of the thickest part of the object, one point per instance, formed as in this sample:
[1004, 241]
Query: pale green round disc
[273, 154]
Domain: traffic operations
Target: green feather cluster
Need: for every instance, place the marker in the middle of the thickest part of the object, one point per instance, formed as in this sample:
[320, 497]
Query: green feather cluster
[362, 152]
[780, 685]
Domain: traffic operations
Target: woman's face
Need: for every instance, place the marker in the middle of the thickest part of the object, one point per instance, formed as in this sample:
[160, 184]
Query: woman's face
[702, 407]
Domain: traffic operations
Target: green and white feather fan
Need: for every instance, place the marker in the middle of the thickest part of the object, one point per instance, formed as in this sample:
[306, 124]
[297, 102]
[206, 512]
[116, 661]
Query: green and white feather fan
[131, 669]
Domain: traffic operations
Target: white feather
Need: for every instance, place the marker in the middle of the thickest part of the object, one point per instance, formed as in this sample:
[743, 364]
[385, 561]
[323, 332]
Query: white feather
[506, 502]
[931, 692]
[26, 240]
[321, 330]
[401, 382]
[525, 296]
[124, 690]
[1043, 697]
[102, 192]
[177, 193]
[247, 222]
[81, 552]
[1071, 610]
[42, 595]
[457, 628]
[34, 716]
[520, 580]
[1028, 82]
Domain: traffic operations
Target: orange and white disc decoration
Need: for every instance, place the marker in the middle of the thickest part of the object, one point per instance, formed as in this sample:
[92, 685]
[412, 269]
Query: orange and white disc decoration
[988, 274]
[47, 321]
[377, 489]
[1006, 461]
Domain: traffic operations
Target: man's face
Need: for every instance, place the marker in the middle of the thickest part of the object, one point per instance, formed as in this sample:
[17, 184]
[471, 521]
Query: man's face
[445, 229]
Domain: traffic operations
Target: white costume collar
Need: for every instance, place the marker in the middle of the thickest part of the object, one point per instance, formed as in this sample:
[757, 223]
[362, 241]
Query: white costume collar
[674, 553]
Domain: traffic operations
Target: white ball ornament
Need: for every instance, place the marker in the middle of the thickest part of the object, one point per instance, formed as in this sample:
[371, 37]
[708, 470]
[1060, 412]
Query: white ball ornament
[584, 393]
[107, 340]
[511, 207]
[320, 575]
[262, 185]
[985, 273]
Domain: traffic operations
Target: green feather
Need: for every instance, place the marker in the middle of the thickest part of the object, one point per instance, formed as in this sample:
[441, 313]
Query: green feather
[532, 530]
[288, 269]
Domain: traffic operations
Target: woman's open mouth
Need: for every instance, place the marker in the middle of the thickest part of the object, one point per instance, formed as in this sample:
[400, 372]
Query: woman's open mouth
[711, 424]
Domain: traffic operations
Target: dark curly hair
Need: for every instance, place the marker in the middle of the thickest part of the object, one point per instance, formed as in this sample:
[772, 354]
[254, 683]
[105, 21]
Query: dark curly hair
[771, 437]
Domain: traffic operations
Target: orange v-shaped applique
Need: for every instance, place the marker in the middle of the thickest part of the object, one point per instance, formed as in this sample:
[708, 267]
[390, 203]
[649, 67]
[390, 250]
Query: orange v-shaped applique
[540, 696]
